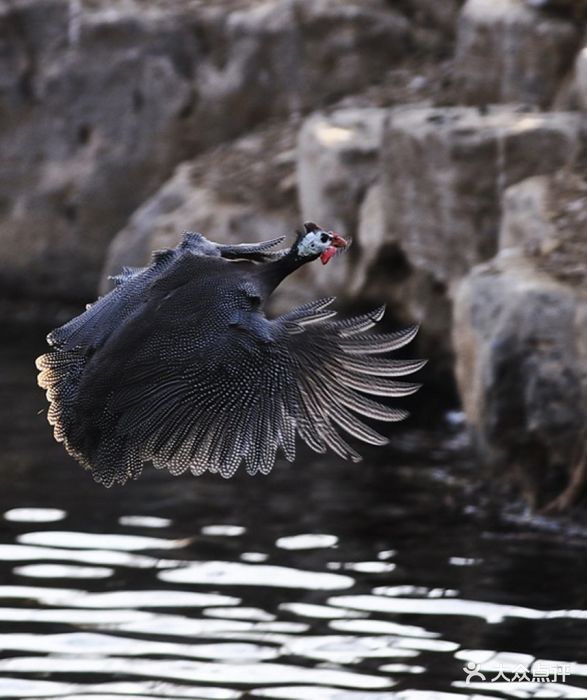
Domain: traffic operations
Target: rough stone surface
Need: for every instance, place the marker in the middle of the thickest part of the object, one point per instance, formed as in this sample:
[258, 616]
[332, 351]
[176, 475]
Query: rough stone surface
[520, 338]
[567, 8]
[371, 238]
[444, 172]
[278, 58]
[526, 220]
[439, 14]
[520, 344]
[338, 159]
[433, 22]
[546, 218]
[509, 51]
[90, 110]
[581, 78]
[99, 101]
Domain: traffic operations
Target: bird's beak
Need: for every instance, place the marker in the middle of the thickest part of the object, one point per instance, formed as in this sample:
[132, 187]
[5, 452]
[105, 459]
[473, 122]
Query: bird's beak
[338, 242]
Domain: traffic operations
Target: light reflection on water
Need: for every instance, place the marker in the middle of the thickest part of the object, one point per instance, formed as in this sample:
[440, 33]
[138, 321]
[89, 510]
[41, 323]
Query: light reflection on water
[324, 581]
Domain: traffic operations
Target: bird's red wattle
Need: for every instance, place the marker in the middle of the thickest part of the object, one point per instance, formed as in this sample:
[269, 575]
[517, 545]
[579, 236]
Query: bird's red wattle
[327, 254]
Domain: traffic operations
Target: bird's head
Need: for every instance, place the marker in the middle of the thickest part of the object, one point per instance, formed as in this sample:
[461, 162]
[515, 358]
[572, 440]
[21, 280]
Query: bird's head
[313, 242]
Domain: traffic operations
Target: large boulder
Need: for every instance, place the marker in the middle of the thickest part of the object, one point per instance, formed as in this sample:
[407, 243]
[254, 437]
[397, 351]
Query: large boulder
[511, 51]
[520, 338]
[444, 172]
[100, 101]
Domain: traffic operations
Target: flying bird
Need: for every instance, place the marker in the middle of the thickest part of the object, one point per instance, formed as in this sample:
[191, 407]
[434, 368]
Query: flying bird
[179, 366]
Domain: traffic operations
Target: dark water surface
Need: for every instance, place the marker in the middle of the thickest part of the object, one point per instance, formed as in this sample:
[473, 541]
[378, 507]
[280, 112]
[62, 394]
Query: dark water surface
[323, 581]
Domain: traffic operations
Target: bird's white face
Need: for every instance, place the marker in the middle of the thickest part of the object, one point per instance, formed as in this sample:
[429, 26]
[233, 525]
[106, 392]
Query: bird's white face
[319, 243]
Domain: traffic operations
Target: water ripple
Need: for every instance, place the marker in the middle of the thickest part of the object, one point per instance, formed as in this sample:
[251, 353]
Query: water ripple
[195, 672]
[91, 644]
[19, 688]
[35, 515]
[307, 541]
[18, 552]
[144, 521]
[373, 626]
[240, 613]
[117, 599]
[178, 626]
[492, 613]
[322, 612]
[57, 571]
[223, 530]
[238, 574]
[300, 692]
[90, 540]
[347, 649]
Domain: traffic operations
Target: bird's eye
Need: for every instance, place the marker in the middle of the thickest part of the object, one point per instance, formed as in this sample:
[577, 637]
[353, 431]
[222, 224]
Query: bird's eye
[324, 238]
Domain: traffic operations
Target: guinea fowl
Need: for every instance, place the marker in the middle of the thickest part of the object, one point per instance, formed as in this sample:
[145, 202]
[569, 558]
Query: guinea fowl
[178, 365]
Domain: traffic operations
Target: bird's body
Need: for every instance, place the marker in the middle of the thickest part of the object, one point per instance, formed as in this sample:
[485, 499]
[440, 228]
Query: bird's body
[179, 365]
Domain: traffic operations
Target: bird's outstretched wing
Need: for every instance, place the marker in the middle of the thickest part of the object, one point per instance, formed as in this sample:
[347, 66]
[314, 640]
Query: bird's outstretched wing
[235, 394]
[91, 328]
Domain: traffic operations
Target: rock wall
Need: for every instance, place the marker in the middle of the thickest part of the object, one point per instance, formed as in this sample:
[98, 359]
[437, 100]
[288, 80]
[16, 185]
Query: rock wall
[100, 100]
[514, 51]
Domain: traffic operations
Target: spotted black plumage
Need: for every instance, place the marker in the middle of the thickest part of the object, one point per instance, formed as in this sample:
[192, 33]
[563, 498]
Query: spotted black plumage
[178, 365]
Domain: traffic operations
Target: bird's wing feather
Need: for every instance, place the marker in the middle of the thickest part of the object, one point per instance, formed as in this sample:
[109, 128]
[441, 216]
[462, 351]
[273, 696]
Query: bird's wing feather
[90, 329]
[258, 252]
